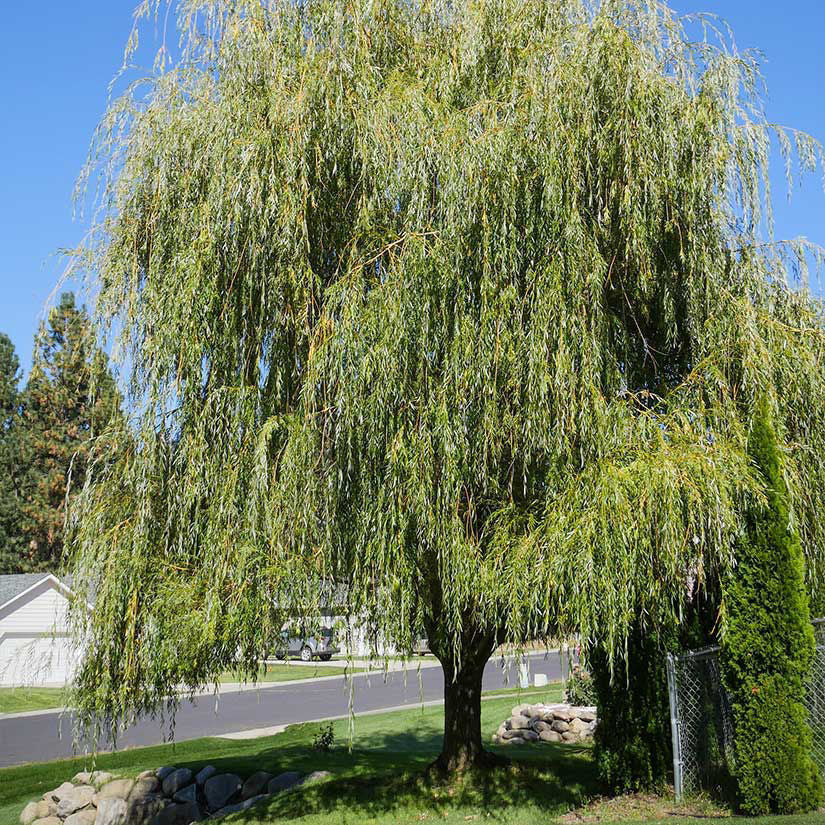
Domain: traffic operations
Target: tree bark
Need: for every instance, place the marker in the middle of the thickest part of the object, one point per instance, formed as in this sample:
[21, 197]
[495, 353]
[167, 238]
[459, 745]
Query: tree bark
[462, 748]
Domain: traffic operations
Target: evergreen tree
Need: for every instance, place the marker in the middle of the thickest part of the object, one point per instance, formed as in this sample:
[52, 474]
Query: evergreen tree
[69, 398]
[768, 648]
[12, 559]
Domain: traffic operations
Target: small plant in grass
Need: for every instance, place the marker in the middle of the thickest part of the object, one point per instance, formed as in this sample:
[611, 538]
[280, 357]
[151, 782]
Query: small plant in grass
[324, 739]
[579, 689]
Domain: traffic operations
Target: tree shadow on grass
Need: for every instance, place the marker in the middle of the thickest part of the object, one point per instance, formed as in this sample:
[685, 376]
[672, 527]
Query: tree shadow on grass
[390, 777]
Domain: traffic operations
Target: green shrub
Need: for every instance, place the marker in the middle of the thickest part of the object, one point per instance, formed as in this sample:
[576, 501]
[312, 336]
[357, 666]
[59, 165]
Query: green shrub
[579, 689]
[767, 649]
[633, 745]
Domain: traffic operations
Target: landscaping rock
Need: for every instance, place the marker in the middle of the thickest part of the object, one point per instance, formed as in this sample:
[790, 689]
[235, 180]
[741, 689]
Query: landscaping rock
[58, 793]
[176, 780]
[205, 773]
[239, 806]
[178, 814]
[539, 725]
[579, 727]
[560, 726]
[85, 817]
[518, 722]
[220, 789]
[112, 810]
[37, 810]
[570, 736]
[162, 773]
[518, 710]
[550, 736]
[187, 794]
[96, 778]
[529, 736]
[147, 775]
[75, 799]
[255, 785]
[48, 820]
[116, 789]
[317, 776]
[284, 781]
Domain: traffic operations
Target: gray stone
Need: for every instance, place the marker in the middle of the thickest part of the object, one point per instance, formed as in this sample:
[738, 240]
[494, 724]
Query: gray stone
[48, 820]
[147, 775]
[316, 776]
[284, 781]
[85, 817]
[579, 727]
[178, 814]
[518, 710]
[539, 725]
[116, 789]
[239, 806]
[560, 726]
[586, 714]
[144, 786]
[133, 811]
[564, 714]
[516, 740]
[550, 736]
[220, 789]
[162, 773]
[187, 794]
[529, 736]
[96, 778]
[205, 773]
[518, 723]
[58, 793]
[75, 799]
[570, 737]
[255, 785]
[176, 780]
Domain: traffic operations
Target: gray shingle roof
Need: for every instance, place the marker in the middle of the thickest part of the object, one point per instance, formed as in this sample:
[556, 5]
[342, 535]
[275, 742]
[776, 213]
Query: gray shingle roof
[15, 584]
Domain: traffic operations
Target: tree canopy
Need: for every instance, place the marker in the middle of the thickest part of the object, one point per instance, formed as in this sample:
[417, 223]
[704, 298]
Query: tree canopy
[463, 306]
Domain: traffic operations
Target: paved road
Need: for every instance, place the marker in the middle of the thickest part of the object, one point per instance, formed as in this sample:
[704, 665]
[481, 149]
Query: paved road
[42, 737]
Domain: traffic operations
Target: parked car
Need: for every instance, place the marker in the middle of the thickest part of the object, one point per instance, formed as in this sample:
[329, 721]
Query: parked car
[306, 646]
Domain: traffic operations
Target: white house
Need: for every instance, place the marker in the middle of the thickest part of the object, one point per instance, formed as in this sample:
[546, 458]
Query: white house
[35, 646]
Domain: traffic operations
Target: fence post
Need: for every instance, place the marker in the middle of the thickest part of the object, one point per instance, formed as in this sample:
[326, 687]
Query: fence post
[672, 689]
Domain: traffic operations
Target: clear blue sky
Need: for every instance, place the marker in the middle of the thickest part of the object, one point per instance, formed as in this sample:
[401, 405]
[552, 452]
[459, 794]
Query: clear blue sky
[57, 58]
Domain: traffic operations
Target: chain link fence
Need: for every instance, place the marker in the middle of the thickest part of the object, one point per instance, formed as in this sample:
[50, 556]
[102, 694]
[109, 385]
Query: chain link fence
[702, 722]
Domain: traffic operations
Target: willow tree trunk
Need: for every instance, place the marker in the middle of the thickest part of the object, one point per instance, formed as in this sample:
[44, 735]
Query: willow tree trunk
[462, 748]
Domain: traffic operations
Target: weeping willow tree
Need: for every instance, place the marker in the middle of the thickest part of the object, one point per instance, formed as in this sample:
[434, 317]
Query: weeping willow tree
[458, 307]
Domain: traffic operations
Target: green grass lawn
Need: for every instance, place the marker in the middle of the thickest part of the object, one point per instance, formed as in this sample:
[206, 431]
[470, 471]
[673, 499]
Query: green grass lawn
[15, 700]
[381, 779]
[287, 672]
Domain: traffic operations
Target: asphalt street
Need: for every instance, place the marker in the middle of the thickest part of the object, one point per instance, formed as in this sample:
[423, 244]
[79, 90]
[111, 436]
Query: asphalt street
[40, 737]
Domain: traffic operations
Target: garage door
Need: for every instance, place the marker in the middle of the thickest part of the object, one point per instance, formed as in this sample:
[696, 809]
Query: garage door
[34, 660]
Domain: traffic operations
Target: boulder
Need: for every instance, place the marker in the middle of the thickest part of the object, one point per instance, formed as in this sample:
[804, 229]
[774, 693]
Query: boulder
[48, 820]
[539, 725]
[284, 781]
[315, 777]
[144, 786]
[176, 780]
[220, 789]
[579, 727]
[205, 773]
[162, 773]
[178, 814]
[559, 726]
[116, 789]
[112, 810]
[509, 735]
[570, 737]
[85, 817]
[550, 736]
[58, 793]
[74, 800]
[187, 794]
[564, 714]
[96, 778]
[147, 775]
[518, 723]
[529, 736]
[255, 785]
[518, 710]
[516, 740]
[239, 806]
[37, 810]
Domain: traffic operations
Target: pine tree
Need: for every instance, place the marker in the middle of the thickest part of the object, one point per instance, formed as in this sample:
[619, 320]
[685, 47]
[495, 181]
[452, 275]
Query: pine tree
[768, 647]
[11, 558]
[69, 398]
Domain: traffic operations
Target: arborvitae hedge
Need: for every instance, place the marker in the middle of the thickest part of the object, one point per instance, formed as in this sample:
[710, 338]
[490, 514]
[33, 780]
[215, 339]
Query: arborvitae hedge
[767, 649]
[633, 745]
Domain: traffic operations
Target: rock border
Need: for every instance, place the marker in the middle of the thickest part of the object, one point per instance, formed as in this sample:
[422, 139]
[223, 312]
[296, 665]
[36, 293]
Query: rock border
[560, 723]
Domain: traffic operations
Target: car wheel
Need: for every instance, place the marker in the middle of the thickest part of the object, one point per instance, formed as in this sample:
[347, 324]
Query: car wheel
[306, 654]
[325, 657]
